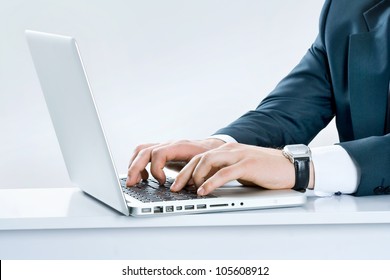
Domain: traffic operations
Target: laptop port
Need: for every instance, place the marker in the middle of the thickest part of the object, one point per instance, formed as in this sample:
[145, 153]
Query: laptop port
[179, 208]
[219, 205]
[201, 206]
[189, 207]
[146, 210]
[158, 209]
[169, 209]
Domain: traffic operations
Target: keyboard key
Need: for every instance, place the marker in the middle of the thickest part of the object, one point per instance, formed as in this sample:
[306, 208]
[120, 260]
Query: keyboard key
[151, 191]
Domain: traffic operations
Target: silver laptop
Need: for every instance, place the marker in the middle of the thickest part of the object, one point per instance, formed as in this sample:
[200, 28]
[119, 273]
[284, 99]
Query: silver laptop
[87, 155]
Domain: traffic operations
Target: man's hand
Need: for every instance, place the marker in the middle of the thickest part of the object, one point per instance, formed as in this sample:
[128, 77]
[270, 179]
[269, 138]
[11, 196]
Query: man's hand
[260, 166]
[160, 155]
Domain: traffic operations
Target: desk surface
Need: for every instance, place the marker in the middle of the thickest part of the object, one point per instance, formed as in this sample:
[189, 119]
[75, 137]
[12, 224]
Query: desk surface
[70, 208]
[65, 223]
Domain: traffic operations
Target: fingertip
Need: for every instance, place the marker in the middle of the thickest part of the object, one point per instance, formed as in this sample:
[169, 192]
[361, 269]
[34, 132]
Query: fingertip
[159, 175]
[161, 181]
[128, 182]
[132, 181]
[175, 187]
[201, 191]
[206, 188]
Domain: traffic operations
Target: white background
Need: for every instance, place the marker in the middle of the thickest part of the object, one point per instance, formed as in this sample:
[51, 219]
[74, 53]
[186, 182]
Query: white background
[160, 70]
[277, 269]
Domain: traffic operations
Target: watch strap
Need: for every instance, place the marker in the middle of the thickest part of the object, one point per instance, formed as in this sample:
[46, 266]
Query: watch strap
[302, 174]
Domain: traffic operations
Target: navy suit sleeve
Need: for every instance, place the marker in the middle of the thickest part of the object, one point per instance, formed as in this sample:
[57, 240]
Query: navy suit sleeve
[372, 157]
[297, 109]
[303, 103]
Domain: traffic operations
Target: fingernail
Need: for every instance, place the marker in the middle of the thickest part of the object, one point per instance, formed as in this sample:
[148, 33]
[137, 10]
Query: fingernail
[201, 191]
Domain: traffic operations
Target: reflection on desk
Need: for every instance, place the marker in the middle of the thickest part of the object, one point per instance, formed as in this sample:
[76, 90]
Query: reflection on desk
[66, 223]
[72, 208]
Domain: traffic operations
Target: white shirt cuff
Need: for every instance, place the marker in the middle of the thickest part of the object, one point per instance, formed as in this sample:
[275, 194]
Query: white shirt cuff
[335, 171]
[225, 138]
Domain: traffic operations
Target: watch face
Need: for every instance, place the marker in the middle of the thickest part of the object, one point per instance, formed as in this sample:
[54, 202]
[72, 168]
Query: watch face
[297, 150]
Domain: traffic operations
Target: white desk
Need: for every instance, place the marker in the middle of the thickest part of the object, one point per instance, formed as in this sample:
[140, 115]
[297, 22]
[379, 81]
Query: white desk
[65, 223]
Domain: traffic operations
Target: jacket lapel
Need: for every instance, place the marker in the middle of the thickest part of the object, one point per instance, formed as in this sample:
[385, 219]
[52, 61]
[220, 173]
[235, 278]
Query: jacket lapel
[368, 72]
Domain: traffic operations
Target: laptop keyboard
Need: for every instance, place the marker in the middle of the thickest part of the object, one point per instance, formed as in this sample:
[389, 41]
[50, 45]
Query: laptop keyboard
[151, 191]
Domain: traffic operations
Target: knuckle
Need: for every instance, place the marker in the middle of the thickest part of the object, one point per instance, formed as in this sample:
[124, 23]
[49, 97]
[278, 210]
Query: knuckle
[229, 145]
[251, 162]
[206, 158]
[139, 148]
[143, 147]
[157, 152]
[143, 153]
[224, 172]
[196, 158]
[181, 141]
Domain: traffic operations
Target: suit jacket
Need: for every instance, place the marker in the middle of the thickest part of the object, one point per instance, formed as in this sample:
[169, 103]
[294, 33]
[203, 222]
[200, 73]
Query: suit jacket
[345, 74]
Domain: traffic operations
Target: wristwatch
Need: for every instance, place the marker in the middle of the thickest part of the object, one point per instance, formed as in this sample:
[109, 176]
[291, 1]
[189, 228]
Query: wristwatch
[300, 156]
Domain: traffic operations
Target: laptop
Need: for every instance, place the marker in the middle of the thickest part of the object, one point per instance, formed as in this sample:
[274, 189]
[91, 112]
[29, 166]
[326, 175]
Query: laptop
[87, 155]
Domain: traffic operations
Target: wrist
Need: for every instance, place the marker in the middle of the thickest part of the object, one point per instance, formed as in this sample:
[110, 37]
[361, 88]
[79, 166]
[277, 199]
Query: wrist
[300, 156]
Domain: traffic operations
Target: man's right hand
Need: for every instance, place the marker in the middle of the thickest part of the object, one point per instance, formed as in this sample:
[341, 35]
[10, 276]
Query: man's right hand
[159, 155]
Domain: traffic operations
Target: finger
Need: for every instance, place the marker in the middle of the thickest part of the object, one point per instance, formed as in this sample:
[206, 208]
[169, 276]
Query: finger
[143, 175]
[220, 178]
[190, 183]
[185, 174]
[211, 162]
[139, 149]
[177, 151]
[137, 180]
[139, 163]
